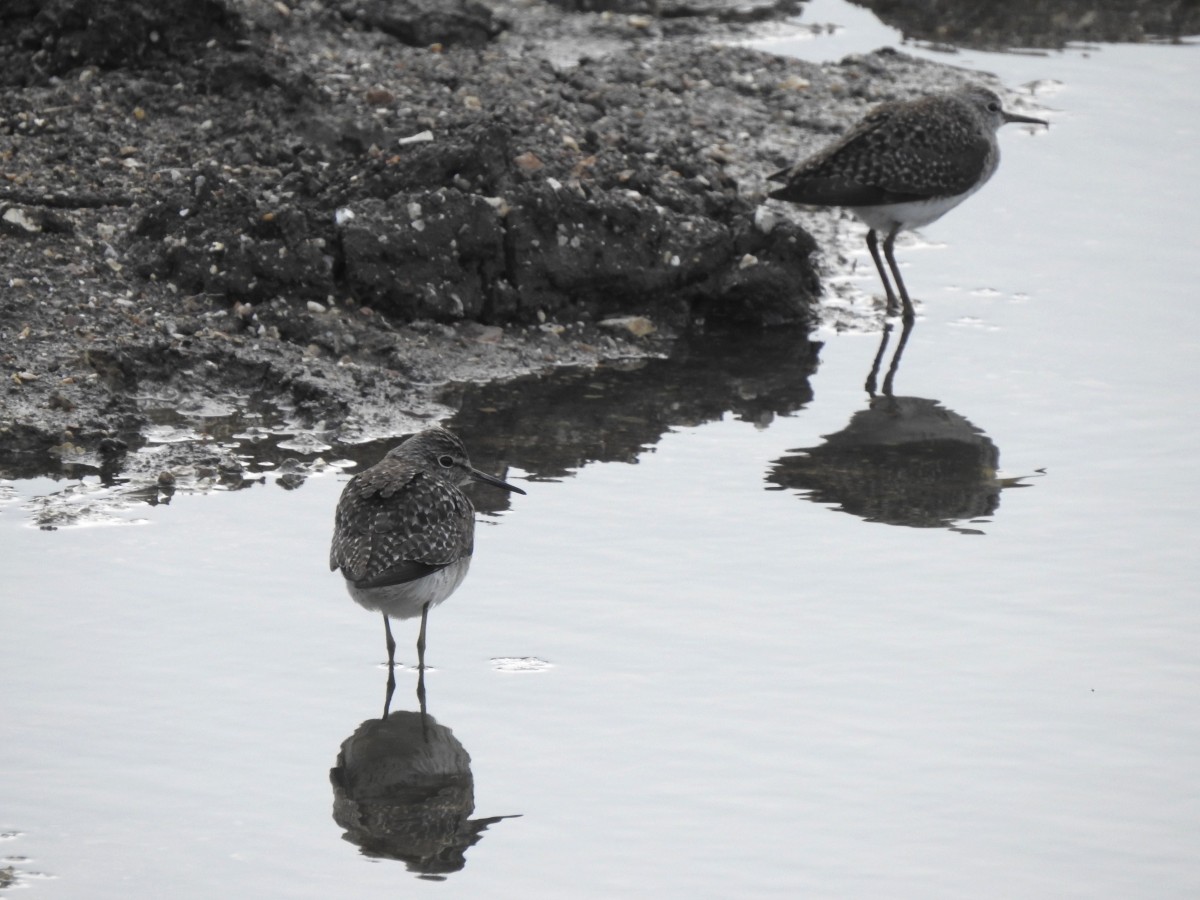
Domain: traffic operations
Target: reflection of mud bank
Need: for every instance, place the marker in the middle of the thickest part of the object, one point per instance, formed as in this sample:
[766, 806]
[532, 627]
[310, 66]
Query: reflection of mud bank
[557, 423]
[546, 425]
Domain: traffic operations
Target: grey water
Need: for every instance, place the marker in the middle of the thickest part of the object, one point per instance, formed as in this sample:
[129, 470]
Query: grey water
[752, 632]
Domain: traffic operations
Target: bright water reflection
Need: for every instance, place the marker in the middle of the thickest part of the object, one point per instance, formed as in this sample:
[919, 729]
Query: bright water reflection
[751, 694]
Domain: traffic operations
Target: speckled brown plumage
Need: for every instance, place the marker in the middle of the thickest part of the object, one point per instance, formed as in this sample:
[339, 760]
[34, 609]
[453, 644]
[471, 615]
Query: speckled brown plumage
[901, 151]
[405, 517]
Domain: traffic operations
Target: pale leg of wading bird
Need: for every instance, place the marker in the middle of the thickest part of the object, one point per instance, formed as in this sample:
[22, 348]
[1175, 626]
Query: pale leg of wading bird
[421, 658]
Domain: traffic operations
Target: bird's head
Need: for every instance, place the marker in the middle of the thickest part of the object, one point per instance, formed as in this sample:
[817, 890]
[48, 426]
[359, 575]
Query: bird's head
[990, 109]
[443, 455]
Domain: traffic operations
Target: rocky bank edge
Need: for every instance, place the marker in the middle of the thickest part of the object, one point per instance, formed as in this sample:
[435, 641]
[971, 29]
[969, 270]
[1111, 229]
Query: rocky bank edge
[341, 206]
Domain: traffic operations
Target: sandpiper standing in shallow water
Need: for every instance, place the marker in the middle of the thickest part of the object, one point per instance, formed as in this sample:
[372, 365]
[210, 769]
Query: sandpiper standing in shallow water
[906, 164]
[404, 532]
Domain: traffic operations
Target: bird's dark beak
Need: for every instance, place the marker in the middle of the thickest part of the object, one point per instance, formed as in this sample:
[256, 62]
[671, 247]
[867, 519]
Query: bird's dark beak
[494, 481]
[1028, 120]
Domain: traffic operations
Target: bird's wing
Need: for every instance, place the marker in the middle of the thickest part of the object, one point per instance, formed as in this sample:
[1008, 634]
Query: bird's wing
[869, 166]
[938, 162]
[395, 526]
[839, 174]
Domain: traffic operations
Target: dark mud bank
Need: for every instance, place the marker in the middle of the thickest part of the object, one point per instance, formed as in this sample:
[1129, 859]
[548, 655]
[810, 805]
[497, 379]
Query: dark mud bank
[336, 208]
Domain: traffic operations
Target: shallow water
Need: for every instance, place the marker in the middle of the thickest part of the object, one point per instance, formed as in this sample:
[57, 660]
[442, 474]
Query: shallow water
[733, 642]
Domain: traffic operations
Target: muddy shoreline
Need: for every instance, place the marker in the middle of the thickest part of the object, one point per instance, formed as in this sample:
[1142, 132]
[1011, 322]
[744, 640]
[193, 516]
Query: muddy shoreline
[336, 209]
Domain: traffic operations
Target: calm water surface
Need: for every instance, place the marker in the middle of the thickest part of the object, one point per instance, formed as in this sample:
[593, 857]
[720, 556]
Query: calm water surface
[785, 641]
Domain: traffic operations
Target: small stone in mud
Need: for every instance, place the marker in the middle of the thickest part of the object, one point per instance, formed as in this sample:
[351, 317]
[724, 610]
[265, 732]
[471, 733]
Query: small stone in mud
[528, 162]
[638, 326]
[18, 220]
[380, 97]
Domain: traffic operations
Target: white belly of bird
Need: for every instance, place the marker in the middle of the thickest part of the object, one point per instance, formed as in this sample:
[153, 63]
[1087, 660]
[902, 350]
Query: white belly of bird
[405, 601]
[913, 214]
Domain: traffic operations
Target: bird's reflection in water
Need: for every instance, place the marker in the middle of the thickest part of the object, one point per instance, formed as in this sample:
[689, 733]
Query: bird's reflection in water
[901, 461]
[403, 790]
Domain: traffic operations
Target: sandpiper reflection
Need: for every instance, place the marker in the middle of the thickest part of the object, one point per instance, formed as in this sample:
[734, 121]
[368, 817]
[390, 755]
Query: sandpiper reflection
[403, 790]
[901, 461]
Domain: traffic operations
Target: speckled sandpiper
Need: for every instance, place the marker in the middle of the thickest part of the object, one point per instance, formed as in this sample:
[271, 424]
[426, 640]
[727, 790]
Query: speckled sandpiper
[404, 532]
[905, 165]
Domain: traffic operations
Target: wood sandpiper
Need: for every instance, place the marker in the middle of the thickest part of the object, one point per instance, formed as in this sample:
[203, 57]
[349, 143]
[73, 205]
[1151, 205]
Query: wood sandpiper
[905, 165]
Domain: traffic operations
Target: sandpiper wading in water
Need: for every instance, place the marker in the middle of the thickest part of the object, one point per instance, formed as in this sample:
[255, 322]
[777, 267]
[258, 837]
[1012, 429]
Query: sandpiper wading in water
[905, 165]
[404, 532]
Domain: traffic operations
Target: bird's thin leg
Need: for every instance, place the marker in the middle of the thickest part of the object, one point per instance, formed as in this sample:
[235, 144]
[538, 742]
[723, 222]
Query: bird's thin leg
[874, 373]
[891, 372]
[391, 642]
[888, 243]
[421, 703]
[391, 689]
[391, 680]
[873, 246]
[421, 666]
[421, 639]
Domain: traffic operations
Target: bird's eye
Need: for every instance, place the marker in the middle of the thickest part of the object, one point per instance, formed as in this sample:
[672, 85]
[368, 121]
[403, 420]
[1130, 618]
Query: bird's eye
[445, 460]
[994, 106]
